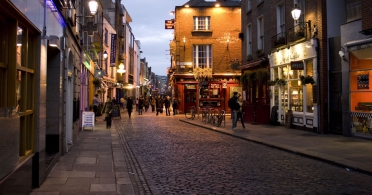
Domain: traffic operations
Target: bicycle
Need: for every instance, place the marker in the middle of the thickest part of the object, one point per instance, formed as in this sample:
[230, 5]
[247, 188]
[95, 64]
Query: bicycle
[190, 113]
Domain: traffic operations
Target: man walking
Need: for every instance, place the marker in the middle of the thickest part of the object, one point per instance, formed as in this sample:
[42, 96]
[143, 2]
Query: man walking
[234, 106]
[96, 102]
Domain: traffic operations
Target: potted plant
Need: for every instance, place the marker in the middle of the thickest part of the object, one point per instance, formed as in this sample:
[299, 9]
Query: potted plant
[281, 82]
[249, 57]
[259, 52]
[96, 82]
[271, 83]
[307, 80]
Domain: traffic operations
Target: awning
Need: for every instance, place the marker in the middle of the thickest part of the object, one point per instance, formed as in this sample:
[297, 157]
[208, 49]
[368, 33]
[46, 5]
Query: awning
[252, 64]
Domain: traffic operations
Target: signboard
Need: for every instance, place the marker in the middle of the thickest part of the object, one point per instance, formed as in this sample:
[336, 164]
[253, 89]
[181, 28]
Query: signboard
[113, 50]
[88, 120]
[297, 65]
[115, 112]
[169, 24]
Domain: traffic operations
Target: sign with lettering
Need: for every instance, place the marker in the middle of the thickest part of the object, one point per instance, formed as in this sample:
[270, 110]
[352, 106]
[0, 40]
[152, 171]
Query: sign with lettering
[88, 120]
[113, 50]
[215, 85]
[115, 112]
[297, 65]
[169, 24]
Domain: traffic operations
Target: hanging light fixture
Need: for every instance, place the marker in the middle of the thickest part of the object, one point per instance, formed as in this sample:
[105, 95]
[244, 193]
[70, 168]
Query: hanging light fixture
[93, 6]
[105, 55]
[121, 69]
[296, 12]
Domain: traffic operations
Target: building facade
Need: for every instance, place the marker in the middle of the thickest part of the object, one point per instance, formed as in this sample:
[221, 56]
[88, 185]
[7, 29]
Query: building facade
[205, 54]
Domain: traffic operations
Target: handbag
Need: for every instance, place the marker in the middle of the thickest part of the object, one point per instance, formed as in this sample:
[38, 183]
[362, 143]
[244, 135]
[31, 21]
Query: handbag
[170, 109]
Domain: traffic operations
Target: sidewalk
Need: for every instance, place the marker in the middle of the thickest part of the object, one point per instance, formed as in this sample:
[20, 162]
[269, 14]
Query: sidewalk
[94, 165]
[348, 152]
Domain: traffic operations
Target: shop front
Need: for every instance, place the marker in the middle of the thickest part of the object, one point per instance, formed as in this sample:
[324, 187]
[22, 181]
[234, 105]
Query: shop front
[360, 59]
[294, 93]
[212, 93]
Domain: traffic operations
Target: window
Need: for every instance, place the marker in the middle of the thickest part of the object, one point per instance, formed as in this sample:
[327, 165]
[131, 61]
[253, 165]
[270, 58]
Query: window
[202, 23]
[249, 39]
[106, 36]
[353, 10]
[249, 6]
[203, 56]
[260, 33]
[301, 5]
[309, 88]
[280, 19]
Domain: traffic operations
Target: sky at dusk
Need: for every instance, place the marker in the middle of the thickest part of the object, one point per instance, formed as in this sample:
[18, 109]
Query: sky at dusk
[148, 21]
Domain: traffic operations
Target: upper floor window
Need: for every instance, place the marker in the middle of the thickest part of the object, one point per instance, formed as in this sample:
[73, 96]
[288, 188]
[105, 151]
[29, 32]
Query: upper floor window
[353, 10]
[280, 18]
[249, 6]
[202, 23]
[301, 6]
[106, 37]
[249, 39]
[260, 33]
[203, 56]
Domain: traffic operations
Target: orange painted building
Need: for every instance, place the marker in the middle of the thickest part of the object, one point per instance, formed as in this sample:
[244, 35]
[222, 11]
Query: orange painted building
[206, 53]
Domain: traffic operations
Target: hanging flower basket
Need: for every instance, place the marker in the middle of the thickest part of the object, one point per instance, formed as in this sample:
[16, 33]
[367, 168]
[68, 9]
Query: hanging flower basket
[97, 82]
[307, 80]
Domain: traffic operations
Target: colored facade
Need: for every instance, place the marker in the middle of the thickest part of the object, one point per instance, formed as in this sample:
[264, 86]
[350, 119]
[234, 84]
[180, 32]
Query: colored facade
[205, 54]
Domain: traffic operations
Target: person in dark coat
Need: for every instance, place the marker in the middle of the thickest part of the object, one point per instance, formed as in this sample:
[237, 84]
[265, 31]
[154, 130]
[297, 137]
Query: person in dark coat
[167, 105]
[175, 106]
[234, 106]
[240, 113]
[159, 105]
[108, 109]
[140, 105]
[129, 106]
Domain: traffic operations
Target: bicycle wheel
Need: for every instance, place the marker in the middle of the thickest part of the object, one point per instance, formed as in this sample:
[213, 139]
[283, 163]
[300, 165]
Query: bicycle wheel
[189, 113]
[219, 120]
[192, 114]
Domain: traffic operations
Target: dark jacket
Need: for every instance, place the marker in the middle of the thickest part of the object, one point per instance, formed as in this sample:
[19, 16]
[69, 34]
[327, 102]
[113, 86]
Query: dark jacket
[233, 104]
[175, 104]
[129, 104]
[166, 103]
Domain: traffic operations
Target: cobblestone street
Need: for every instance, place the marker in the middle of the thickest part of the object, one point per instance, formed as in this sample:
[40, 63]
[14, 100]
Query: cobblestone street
[171, 157]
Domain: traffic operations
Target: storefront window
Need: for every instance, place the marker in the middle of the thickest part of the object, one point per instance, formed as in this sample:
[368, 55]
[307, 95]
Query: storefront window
[19, 46]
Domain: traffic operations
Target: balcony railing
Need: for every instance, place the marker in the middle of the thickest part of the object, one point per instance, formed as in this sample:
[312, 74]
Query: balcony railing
[297, 33]
[279, 40]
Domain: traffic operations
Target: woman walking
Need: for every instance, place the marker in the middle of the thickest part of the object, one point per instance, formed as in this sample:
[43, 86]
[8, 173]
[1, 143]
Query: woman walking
[129, 106]
[108, 109]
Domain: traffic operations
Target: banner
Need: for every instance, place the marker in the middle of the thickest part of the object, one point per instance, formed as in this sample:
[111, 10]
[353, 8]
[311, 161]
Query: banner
[113, 50]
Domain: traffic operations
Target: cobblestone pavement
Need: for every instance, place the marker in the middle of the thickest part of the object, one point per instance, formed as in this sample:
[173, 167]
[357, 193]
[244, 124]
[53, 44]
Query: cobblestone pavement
[176, 158]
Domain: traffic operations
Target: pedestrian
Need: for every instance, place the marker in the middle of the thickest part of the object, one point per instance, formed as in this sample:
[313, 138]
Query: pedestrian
[234, 107]
[240, 114]
[107, 108]
[122, 102]
[129, 106]
[167, 105]
[96, 103]
[159, 105]
[146, 103]
[175, 107]
[137, 101]
[140, 105]
[153, 104]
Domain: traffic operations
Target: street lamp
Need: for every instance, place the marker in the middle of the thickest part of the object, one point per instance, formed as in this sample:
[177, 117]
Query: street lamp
[184, 42]
[121, 68]
[296, 12]
[105, 55]
[93, 6]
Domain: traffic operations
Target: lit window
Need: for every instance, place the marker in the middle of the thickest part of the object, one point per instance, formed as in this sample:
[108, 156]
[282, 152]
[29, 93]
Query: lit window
[203, 56]
[202, 23]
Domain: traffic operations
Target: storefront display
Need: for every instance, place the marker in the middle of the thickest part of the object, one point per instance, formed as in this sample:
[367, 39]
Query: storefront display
[360, 95]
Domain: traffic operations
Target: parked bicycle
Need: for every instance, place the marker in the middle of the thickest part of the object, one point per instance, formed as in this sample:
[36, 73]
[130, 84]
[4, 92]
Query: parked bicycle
[190, 113]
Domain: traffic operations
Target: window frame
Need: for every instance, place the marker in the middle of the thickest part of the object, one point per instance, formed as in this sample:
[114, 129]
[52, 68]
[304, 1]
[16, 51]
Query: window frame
[208, 56]
[202, 21]
[260, 33]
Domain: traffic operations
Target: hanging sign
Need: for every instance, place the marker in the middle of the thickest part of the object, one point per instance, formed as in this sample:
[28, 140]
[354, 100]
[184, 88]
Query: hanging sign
[113, 50]
[297, 65]
[169, 24]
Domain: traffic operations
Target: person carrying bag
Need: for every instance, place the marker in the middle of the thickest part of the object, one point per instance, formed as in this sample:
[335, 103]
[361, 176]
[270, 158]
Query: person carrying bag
[109, 105]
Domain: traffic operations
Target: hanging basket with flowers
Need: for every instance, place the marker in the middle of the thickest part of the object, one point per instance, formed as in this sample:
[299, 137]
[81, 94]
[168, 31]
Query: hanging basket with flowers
[307, 80]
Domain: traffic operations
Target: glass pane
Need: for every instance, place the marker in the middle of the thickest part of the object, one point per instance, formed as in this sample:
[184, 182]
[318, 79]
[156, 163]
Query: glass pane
[296, 97]
[309, 98]
[3, 93]
[19, 46]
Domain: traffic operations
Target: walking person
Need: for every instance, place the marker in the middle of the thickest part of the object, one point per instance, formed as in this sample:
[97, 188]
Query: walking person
[137, 101]
[140, 105]
[153, 104]
[107, 108]
[175, 107]
[234, 106]
[167, 105]
[146, 103]
[129, 106]
[240, 113]
[122, 102]
[159, 105]
[96, 103]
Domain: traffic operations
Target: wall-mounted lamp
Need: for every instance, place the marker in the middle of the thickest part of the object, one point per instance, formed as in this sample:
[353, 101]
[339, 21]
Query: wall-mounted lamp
[93, 6]
[217, 5]
[187, 5]
[105, 55]
[184, 42]
[121, 68]
[296, 14]
[227, 44]
[53, 41]
[172, 13]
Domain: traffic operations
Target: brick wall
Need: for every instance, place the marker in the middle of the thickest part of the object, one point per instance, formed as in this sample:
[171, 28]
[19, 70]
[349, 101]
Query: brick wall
[366, 14]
